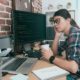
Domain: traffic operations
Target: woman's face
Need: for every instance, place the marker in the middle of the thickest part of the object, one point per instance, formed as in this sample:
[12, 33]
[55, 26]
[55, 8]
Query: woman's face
[60, 23]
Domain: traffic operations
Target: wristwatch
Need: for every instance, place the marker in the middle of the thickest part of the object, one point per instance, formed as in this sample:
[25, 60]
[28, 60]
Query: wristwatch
[51, 59]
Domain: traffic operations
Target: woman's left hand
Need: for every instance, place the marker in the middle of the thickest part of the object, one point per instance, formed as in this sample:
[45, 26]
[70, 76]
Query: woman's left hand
[46, 53]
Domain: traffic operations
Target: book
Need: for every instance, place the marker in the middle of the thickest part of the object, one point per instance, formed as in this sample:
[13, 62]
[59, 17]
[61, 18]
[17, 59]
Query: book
[50, 73]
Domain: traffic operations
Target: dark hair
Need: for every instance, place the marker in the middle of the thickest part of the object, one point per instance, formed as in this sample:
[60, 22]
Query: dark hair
[63, 13]
[73, 23]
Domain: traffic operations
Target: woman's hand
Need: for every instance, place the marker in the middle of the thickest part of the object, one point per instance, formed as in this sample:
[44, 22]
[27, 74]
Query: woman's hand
[57, 34]
[46, 53]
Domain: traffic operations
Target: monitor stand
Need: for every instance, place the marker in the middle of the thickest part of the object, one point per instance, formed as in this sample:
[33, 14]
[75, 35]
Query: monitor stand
[19, 49]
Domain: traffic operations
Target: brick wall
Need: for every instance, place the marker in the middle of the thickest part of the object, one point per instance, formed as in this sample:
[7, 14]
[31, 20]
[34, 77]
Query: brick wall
[5, 16]
[37, 6]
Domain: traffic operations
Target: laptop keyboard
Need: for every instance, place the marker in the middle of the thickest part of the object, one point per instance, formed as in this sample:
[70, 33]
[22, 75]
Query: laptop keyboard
[17, 62]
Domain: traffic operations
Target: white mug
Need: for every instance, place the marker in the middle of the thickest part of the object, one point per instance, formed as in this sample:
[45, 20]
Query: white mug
[45, 46]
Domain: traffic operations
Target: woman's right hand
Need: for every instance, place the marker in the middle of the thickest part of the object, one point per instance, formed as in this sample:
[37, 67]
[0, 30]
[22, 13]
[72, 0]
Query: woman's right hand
[57, 34]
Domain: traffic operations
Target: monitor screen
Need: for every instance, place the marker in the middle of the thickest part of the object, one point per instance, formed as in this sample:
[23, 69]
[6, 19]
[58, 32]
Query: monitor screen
[28, 27]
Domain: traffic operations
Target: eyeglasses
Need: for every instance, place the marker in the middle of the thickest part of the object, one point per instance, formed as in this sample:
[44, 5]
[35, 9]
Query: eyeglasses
[57, 21]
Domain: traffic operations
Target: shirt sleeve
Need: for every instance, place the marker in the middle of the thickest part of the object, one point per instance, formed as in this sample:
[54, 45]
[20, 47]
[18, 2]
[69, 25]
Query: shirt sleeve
[73, 49]
[61, 48]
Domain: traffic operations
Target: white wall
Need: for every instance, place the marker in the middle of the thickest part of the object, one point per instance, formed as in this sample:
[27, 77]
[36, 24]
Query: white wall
[55, 3]
[78, 12]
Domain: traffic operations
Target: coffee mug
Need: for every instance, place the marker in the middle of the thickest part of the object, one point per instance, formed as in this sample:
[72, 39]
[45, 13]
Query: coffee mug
[45, 46]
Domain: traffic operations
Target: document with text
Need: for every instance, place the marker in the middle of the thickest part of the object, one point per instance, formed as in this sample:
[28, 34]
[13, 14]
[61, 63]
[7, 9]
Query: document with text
[50, 73]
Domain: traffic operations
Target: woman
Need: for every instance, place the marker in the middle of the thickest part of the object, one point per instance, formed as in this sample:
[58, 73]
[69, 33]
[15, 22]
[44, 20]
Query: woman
[62, 23]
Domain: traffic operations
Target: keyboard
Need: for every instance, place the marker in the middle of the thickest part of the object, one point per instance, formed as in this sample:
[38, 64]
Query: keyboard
[16, 63]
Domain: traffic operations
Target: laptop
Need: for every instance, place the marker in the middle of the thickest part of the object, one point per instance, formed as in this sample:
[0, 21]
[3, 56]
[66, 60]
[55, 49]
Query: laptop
[17, 65]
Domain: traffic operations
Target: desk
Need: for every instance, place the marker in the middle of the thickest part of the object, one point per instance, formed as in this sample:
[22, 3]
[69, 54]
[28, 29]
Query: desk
[39, 64]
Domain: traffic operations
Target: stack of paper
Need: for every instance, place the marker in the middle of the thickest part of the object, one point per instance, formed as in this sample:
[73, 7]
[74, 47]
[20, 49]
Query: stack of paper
[19, 77]
[50, 73]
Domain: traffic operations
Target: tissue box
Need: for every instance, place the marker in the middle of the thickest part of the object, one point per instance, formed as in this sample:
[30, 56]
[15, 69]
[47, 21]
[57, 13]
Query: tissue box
[19, 77]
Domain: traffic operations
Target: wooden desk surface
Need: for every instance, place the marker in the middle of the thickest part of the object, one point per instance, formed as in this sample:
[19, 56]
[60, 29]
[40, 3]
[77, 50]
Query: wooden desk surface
[38, 65]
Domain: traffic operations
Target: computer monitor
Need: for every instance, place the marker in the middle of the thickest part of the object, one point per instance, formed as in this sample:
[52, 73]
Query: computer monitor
[28, 27]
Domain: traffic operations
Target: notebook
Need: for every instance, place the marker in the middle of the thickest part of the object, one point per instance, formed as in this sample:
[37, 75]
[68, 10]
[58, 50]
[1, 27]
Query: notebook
[50, 73]
[18, 65]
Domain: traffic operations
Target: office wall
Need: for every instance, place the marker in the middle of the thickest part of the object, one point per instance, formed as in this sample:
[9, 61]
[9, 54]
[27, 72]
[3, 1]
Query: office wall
[5, 16]
[78, 12]
[28, 5]
[53, 5]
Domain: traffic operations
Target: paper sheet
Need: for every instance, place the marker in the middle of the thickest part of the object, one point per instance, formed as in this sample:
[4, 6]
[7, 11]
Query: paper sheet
[50, 72]
[19, 77]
